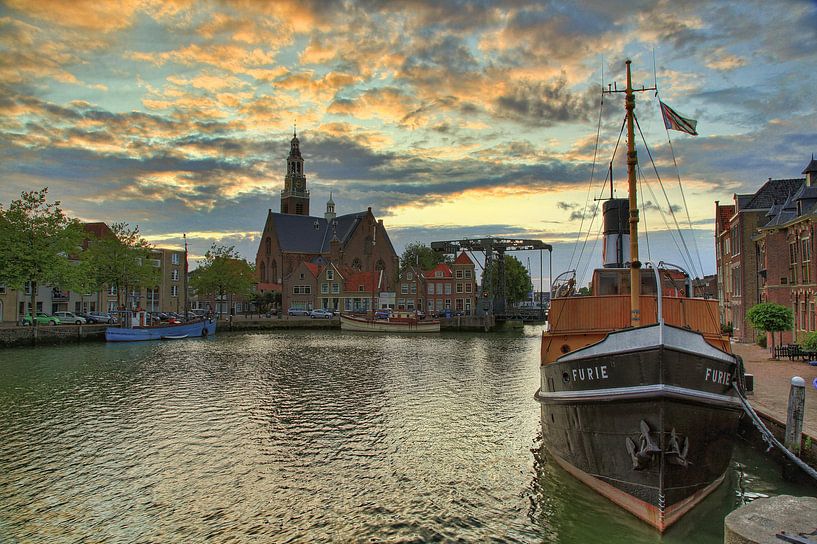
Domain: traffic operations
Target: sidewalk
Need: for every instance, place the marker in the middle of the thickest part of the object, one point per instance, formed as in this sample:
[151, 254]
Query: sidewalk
[773, 382]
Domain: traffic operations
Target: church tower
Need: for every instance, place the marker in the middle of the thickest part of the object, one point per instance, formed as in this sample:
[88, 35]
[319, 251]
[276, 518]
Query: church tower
[330, 209]
[295, 197]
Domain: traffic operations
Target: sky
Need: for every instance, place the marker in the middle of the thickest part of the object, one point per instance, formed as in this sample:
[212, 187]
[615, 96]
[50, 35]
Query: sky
[450, 119]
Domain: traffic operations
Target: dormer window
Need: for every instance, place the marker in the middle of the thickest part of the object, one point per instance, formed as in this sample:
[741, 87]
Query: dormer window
[330, 274]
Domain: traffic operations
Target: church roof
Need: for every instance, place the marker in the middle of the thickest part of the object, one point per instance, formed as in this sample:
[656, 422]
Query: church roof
[307, 234]
[812, 166]
[774, 191]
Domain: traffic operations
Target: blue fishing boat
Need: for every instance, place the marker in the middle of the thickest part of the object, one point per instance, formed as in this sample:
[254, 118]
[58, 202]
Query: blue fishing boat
[200, 328]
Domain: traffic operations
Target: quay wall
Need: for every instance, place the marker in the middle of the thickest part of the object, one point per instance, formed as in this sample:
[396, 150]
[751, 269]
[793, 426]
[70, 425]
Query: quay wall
[11, 336]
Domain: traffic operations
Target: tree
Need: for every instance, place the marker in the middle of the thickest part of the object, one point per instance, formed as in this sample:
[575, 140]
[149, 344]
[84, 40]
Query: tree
[770, 317]
[417, 253]
[267, 300]
[37, 240]
[223, 272]
[517, 280]
[121, 261]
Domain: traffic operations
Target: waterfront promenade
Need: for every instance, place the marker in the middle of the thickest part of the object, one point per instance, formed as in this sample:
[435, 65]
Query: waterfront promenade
[772, 384]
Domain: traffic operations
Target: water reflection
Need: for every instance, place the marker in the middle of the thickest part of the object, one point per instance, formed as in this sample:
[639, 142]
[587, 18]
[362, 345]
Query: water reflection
[296, 437]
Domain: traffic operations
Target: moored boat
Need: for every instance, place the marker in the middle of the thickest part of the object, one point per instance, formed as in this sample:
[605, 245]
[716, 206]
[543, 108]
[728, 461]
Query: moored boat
[638, 387]
[134, 329]
[409, 324]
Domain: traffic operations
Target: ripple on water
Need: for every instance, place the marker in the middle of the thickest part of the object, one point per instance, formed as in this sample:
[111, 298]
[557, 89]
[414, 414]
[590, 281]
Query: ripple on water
[291, 437]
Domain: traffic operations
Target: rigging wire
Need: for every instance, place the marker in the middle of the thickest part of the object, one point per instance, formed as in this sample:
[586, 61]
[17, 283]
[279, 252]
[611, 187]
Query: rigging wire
[683, 197]
[590, 184]
[596, 205]
[666, 196]
[644, 213]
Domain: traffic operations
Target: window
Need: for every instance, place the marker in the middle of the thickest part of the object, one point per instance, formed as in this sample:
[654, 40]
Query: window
[301, 289]
[330, 274]
[793, 262]
[459, 274]
[268, 244]
[112, 290]
[157, 263]
[174, 291]
[736, 282]
[439, 288]
[409, 276]
[438, 274]
[2, 289]
[360, 288]
[467, 274]
[805, 260]
[174, 275]
[459, 288]
[447, 288]
[299, 208]
[174, 258]
[324, 288]
[404, 289]
[301, 276]
[468, 287]
[430, 288]
[335, 288]
[734, 235]
[238, 307]
[413, 288]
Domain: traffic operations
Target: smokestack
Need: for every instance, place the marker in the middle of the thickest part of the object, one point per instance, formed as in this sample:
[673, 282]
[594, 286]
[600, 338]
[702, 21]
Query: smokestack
[616, 251]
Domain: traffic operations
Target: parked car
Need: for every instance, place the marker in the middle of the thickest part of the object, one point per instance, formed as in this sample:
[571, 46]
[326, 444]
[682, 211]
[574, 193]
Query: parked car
[321, 313]
[382, 314]
[297, 311]
[198, 312]
[71, 317]
[42, 319]
[99, 317]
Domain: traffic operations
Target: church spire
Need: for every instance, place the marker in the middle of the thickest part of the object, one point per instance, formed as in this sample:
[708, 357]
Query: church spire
[295, 197]
[330, 209]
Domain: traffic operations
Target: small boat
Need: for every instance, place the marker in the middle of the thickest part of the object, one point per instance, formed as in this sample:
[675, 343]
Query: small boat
[405, 324]
[639, 389]
[134, 329]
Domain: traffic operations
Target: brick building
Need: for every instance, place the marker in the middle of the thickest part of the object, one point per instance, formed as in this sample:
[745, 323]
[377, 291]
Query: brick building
[355, 242]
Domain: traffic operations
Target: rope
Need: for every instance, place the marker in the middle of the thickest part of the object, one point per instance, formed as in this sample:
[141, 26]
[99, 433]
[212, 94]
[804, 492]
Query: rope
[767, 435]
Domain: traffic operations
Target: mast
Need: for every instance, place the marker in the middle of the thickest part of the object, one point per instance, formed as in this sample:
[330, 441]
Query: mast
[632, 161]
[184, 282]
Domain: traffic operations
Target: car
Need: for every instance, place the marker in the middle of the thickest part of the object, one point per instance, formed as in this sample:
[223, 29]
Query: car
[321, 313]
[382, 314]
[100, 317]
[71, 317]
[42, 319]
[297, 311]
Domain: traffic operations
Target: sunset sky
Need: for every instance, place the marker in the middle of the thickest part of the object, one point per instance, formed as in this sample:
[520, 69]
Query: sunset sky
[450, 119]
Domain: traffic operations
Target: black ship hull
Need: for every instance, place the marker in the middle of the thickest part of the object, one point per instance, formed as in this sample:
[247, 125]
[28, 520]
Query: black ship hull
[645, 417]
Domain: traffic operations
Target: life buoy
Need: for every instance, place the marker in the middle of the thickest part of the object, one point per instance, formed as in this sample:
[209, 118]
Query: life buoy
[204, 332]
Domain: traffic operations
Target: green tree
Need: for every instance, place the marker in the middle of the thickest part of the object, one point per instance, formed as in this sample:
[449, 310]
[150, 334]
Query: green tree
[417, 253]
[770, 317]
[121, 261]
[37, 240]
[517, 280]
[222, 273]
[266, 301]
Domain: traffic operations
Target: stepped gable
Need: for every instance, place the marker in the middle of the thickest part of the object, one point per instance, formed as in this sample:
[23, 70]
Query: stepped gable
[774, 191]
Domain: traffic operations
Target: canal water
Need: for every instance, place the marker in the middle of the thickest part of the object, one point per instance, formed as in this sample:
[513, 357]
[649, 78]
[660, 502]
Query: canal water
[304, 437]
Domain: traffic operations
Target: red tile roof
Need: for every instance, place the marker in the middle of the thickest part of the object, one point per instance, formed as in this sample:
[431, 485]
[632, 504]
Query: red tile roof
[442, 267]
[463, 258]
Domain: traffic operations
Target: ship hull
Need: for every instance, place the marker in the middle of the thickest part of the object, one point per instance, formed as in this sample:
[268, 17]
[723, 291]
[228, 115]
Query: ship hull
[646, 418]
[202, 329]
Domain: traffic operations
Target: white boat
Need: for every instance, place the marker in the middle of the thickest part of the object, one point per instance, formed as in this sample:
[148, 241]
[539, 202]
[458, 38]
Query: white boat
[391, 324]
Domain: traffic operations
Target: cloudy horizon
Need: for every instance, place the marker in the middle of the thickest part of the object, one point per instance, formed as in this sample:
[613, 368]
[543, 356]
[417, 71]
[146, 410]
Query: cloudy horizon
[450, 119]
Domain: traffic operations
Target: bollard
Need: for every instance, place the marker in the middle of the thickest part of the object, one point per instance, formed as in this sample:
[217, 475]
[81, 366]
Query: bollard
[794, 419]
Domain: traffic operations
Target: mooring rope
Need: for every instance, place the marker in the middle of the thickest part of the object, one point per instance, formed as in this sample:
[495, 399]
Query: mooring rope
[767, 435]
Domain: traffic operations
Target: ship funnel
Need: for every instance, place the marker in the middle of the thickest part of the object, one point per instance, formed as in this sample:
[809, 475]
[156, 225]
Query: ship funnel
[616, 213]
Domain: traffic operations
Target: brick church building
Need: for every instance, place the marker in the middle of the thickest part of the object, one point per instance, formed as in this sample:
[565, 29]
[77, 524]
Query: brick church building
[351, 245]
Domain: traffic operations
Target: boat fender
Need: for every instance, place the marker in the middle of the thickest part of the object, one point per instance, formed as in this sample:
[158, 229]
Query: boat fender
[204, 332]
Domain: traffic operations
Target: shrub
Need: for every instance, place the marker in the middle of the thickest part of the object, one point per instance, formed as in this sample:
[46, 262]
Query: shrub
[810, 341]
[761, 339]
[726, 328]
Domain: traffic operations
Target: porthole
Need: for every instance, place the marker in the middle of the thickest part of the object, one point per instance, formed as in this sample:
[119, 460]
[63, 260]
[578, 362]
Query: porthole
[565, 348]
[565, 377]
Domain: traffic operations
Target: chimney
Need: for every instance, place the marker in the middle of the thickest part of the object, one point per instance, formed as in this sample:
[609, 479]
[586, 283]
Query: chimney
[616, 250]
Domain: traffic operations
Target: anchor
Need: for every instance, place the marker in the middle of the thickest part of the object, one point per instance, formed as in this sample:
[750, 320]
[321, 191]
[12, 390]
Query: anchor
[643, 455]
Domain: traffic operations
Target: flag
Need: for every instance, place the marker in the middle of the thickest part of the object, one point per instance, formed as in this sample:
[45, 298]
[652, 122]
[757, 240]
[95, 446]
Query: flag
[675, 121]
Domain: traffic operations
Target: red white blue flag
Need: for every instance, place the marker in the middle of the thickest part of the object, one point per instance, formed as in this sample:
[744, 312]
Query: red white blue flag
[675, 121]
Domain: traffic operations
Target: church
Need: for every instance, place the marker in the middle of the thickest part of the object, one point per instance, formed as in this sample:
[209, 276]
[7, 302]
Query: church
[295, 245]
